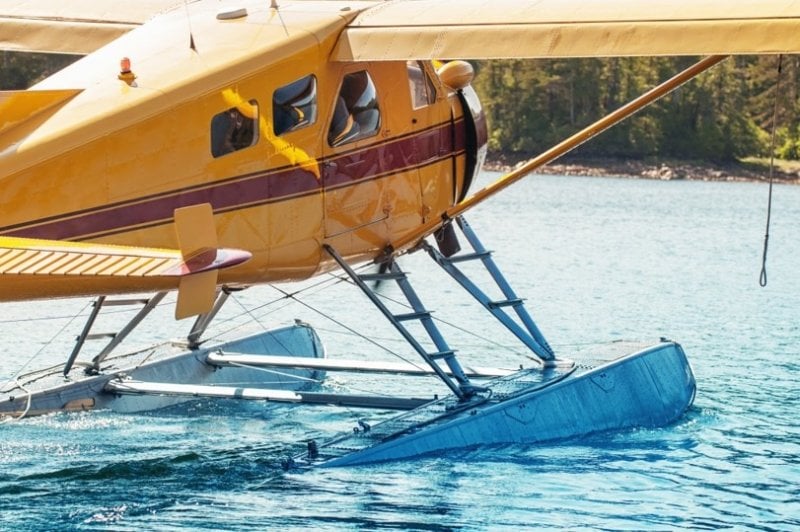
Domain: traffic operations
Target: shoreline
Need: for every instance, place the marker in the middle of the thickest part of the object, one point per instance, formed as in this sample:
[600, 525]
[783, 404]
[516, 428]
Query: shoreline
[664, 170]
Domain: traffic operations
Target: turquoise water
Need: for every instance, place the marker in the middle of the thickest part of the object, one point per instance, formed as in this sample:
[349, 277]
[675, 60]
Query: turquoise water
[598, 259]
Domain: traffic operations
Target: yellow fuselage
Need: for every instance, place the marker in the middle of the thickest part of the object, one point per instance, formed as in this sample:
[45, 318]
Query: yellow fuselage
[108, 160]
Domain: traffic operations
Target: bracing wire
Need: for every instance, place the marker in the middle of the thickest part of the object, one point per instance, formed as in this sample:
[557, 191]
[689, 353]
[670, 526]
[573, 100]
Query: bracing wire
[446, 322]
[44, 346]
[344, 326]
[192, 45]
[763, 277]
[284, 297]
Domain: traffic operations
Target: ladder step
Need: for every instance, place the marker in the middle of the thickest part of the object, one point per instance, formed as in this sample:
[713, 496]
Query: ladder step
[100, 336]
[469, 256]
[388, 276]
[412, 316]
[121, 302]
[442, 354]
[505, 303]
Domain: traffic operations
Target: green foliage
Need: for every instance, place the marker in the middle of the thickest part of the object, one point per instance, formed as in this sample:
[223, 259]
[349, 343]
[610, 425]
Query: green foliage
[788, 145]
[722, 115]
[21, 70]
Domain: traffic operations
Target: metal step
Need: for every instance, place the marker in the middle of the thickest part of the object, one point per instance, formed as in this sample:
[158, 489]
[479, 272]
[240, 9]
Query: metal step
[464, 257]
[99, 336]
[442, 354]
[505, 303]
[412, 316]
[388, 276]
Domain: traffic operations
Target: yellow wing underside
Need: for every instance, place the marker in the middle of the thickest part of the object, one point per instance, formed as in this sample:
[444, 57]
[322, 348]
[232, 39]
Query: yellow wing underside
[41, 269]
[36, 269]
[72, 27]
[470, 29]
[486, 29]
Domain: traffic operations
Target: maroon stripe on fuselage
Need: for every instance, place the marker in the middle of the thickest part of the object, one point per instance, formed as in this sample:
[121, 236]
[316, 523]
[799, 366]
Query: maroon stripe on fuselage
[221, 197]
[406, 153]
[378, 160]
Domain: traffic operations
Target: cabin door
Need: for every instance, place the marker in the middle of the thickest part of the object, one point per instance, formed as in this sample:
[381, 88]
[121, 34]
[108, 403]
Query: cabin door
[371, 178]
[434, 139]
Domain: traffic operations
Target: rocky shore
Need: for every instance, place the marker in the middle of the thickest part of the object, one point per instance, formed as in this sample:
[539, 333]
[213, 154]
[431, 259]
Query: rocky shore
[644, 169]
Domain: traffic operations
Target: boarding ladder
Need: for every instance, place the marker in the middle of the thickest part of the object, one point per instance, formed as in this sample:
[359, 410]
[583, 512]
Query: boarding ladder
[459, 384]
[525, 328]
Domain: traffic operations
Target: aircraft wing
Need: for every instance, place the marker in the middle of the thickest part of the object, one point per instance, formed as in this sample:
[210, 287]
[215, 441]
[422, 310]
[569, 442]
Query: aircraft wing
[487, 29]
[41, 269]
[36, 269]
[74, 26]
[473, 29]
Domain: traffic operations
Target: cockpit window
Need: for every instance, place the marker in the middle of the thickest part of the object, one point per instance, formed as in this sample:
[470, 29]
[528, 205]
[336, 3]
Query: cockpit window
[294, 106]
[234, 129]
[356, 115]
[422, 90]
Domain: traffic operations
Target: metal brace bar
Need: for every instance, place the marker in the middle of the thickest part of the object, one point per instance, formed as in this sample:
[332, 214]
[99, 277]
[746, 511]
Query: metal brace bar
[202, 322]
[84, 334]
[121, 335]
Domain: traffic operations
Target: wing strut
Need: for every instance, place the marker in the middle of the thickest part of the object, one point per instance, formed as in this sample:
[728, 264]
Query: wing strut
[566, 146]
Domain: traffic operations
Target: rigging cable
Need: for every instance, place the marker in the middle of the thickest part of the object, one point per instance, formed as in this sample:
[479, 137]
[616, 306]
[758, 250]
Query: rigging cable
[284, 297]
[451, 324]
[192, 46]
[274, 6]
[353, 331]
[44, 346]
[762, 280]
[16, 375]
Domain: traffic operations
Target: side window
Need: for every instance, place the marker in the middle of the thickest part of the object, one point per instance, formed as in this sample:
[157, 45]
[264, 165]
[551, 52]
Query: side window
[356, 115]
[422, 91]
[234, 129]
[294, 106]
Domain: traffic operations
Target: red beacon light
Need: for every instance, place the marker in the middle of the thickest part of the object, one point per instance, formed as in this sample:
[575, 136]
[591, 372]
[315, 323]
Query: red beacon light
[125, 73]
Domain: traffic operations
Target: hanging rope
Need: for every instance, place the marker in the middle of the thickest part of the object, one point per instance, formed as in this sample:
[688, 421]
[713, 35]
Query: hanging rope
[763, 277]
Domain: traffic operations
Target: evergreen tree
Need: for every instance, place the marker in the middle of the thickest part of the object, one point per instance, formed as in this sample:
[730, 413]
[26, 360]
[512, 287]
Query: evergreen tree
[20, 70]
[767, 102]
[722, 115]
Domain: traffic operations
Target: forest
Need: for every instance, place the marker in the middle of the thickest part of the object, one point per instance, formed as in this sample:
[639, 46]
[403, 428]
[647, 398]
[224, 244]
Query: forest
[724, 115]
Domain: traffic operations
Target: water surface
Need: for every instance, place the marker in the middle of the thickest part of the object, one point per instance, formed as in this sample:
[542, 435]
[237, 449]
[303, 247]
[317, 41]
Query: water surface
[598, 259]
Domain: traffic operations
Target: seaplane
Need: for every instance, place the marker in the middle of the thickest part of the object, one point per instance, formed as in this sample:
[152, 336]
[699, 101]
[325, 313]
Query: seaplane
[204, 146]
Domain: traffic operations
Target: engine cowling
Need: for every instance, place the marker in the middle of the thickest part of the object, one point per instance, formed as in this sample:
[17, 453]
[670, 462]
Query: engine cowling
[458, 75]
